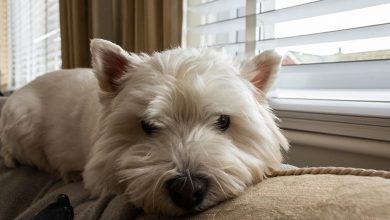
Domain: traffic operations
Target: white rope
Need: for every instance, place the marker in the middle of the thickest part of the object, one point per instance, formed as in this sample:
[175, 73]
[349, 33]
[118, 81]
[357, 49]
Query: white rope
[331, 170]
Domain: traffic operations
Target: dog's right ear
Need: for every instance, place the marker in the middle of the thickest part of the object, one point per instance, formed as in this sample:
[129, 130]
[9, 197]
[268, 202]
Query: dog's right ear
[262, 70]
[110, 62]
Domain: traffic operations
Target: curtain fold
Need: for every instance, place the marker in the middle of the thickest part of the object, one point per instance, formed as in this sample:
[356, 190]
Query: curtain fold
[136, 25]
[75, 33]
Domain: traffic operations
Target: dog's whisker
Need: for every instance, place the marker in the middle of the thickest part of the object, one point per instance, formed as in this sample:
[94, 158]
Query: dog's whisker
[185, 181]
[155, 186]
[189, 176]
[219, 184]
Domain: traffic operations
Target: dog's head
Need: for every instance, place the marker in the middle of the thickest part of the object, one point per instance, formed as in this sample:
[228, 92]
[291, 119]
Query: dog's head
[183, 129]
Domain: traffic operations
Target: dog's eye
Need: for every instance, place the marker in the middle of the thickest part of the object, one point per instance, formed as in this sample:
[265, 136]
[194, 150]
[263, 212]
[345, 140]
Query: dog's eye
[223, 122]
[149, 128]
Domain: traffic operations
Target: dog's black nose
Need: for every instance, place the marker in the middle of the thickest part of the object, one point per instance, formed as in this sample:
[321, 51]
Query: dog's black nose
[187, 191]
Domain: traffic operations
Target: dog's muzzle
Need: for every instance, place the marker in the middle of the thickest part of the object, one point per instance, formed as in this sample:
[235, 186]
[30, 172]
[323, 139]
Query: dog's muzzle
[187, 191]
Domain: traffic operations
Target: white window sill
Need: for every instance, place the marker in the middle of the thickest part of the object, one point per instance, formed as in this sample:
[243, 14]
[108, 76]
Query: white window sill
[366, 95]
[339, 143]
[370, 104]
[345, 116]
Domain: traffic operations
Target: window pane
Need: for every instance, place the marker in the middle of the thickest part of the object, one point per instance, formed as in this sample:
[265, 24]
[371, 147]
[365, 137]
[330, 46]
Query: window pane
[337, 21]
[34, 40]
[356, 50]
[374, 48]
[289, 3]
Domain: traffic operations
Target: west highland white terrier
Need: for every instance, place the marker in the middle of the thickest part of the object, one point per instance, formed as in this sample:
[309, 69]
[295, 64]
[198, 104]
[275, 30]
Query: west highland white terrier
[176, 131]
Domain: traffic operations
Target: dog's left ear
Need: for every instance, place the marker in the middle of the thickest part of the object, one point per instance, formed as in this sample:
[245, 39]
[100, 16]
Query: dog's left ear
[263, 69]
[110, 62]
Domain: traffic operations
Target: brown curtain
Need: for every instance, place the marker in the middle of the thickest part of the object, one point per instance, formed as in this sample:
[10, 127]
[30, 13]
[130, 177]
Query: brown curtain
[136, 25]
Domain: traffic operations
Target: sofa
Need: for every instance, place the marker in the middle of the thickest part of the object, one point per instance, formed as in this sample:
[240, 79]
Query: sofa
[290, 193]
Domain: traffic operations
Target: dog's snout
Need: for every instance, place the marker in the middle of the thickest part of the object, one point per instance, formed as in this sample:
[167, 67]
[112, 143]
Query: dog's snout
[187, 191]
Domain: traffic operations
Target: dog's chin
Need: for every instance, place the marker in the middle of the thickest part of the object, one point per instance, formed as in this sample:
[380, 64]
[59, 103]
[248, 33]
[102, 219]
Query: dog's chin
[167, 208]
[164, 208]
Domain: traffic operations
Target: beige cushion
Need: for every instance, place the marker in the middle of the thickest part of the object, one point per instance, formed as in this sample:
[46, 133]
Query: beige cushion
[322, 196]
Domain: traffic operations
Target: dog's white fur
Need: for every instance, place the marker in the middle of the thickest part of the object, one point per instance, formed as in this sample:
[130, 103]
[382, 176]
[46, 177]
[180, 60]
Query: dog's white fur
[70, 120]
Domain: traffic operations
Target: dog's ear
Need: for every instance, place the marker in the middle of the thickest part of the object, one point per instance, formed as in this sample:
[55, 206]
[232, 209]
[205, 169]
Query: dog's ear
[263, 69]
[110, 62]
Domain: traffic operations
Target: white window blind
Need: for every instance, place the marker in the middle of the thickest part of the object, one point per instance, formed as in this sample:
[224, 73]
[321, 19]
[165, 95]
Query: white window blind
[3, 46]
[336, 52]
[34, 40]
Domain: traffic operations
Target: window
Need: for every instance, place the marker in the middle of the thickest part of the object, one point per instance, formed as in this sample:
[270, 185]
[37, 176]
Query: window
[33, 45]
[336, 52]
[3, 45]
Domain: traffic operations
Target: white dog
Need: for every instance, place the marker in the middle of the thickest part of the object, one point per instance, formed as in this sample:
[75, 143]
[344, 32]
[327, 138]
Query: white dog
[177, 131]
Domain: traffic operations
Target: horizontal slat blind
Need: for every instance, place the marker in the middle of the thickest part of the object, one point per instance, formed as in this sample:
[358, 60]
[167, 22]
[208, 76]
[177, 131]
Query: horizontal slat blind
[208, 7]
[34, 40]
[282, 24]
[344, 44]
[374, 31]
[217, 22]
[315, 8]
[3, 45]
